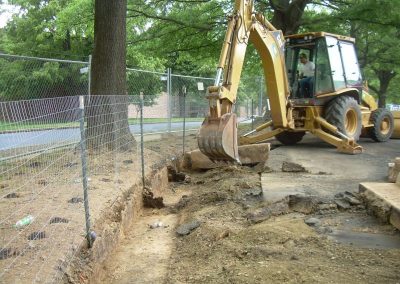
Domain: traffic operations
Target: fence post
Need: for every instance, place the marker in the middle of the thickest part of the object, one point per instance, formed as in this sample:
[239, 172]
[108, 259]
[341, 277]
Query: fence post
[184, 116]
[89, 75]
[169, 101]
[252, 114]
[260, 99]
[141, 137]
[84, 169]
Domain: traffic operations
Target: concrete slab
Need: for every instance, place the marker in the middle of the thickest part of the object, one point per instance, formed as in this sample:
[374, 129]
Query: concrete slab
[384, 200]
[394, 171]
[275, 188]
[248, 155]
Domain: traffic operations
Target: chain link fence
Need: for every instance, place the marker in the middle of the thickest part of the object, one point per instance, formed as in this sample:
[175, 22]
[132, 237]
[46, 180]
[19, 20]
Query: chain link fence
[66, 155]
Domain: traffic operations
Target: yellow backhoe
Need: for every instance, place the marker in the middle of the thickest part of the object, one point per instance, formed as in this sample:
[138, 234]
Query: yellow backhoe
[331, 104]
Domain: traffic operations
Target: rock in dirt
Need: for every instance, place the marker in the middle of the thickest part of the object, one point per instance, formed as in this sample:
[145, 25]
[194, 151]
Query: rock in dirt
[150, 201]
[7, 253]
[345, 200]
[187, 228]
[265, 213]
[250, 193]
[93, 235]
[249, 155]
[293, 168]
[75, 200]
[352, 200]
[224, 234]
[175, 176]
[261, 168]
[303, 204]
[327, 206]
[156, 225]
[37, 236]
[182, 202]
[342, 204]
[127, 162]
[253, 192]
[42, 182]
[394, 170]
[12, 195]
[312, 222]
[324, 230]
[58, 220]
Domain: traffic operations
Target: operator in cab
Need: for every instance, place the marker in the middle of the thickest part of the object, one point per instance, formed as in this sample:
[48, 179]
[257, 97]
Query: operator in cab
[306, 70]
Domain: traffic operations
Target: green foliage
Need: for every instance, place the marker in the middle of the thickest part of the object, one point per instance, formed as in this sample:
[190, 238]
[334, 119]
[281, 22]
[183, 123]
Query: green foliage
[27, 79]
[187, 37]
[377, 38]
[50, 28]
[149, 85]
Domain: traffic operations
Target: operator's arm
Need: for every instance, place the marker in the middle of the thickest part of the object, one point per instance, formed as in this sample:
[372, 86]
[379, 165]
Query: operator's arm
[312, 65]
[301, 70]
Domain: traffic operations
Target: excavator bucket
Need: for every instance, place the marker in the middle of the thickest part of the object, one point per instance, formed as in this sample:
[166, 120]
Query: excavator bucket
[217, 138]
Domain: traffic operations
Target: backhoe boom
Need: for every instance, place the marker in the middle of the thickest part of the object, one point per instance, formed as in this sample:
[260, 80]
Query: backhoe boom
[217, 136]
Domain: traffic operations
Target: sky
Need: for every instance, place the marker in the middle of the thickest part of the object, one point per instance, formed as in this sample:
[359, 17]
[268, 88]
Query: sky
[6, 12]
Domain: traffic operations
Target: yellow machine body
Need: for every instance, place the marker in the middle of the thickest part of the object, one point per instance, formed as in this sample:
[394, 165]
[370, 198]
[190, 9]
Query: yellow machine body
[396, 132]
[292, 116]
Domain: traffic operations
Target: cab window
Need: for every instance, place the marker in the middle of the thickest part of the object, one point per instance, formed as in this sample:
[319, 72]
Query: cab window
[335, 63]
[351, 67]
[323, 73]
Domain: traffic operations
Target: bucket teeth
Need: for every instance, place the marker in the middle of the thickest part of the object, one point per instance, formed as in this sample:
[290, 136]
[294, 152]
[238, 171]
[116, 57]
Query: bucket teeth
[217, 138]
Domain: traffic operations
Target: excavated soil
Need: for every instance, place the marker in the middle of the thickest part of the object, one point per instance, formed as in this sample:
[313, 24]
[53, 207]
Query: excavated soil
[229, 247]
[219, 226]
[229, 230]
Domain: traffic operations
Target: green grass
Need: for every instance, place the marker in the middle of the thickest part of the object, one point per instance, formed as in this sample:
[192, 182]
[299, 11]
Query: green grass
[28, 126]
[161, 120]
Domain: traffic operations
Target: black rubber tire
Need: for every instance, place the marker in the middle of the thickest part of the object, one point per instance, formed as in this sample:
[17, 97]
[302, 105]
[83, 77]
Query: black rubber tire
[290, 138]
[345, 113]
[383, 122]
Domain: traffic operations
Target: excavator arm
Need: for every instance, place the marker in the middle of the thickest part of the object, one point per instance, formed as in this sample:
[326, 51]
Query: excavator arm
[217, 136]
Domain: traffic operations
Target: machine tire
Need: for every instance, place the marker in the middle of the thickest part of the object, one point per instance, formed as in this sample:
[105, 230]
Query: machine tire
[290, 138]
[383, 122]
[345, 113]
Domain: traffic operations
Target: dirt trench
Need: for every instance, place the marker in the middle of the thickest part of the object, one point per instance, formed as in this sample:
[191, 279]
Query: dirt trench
[235, 232]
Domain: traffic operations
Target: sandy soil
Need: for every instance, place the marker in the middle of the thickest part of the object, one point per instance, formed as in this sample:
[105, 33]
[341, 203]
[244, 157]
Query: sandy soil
[247, 237]
[244, 236]
[50, 189]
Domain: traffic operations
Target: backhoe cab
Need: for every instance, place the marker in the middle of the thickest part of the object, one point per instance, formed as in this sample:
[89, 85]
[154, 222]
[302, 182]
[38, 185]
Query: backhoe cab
[329, 101]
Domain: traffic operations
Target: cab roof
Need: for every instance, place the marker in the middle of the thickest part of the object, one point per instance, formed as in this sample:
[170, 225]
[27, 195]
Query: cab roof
[321, 34]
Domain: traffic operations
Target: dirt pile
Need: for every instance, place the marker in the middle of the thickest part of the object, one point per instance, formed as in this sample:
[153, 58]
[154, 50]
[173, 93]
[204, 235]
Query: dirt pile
[244, 239]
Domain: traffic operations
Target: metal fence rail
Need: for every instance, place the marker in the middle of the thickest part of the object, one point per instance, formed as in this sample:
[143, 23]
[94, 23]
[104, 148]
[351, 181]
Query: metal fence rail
[64, 151]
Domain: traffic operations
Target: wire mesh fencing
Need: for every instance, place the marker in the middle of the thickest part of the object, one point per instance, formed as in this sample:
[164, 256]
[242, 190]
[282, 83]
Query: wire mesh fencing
[41, 216]
[67, 156]
[26, 78]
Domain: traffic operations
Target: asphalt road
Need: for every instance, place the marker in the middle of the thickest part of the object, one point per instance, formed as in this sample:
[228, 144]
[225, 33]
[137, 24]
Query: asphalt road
[71, 135]
[328, 171]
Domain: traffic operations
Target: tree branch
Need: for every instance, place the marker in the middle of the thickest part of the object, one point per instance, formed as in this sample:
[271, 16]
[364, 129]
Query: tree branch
[171, 20]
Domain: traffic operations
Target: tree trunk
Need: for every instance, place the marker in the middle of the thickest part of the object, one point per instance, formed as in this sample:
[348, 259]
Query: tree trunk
[384, 77]
[287, 14]
[107, 112]
[67, 41]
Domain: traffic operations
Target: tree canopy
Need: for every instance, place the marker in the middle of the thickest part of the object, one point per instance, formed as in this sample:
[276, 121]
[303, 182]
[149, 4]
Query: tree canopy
[186, 35]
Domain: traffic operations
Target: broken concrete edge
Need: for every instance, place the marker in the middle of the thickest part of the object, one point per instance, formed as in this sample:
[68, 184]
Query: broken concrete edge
[87, 263]
[394, 171]
[383, 206]
[248, 154]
